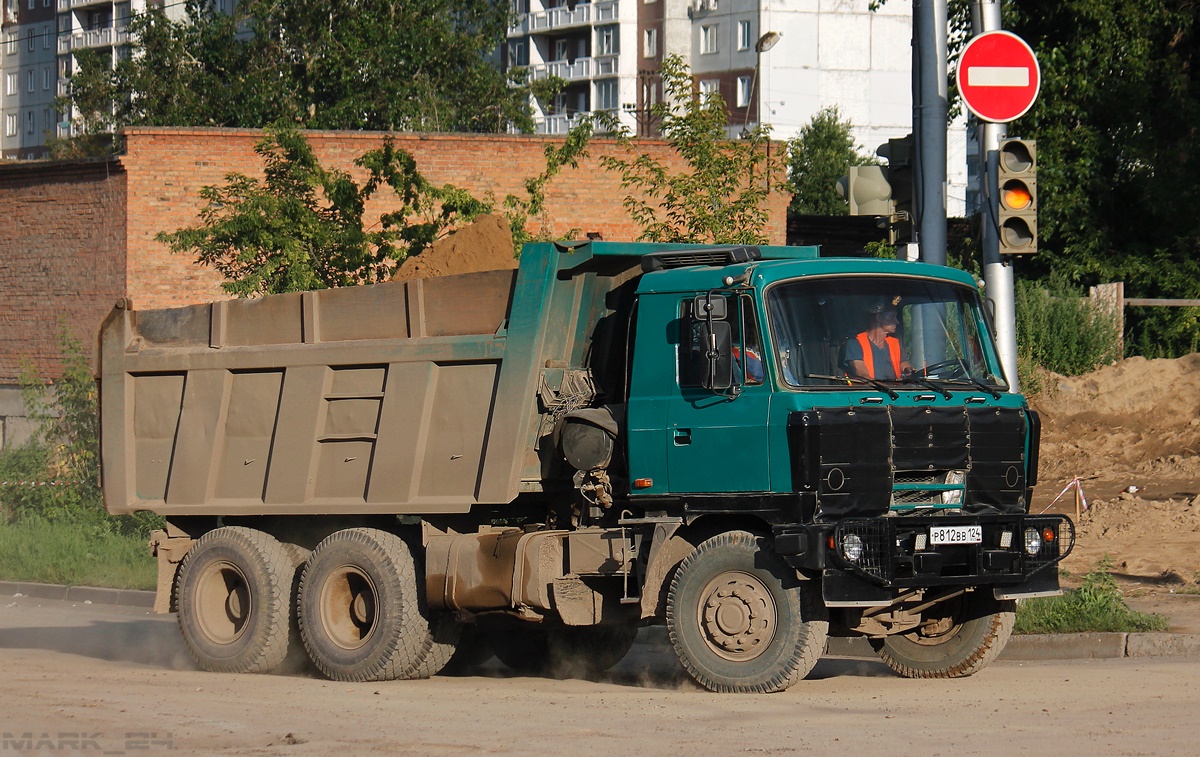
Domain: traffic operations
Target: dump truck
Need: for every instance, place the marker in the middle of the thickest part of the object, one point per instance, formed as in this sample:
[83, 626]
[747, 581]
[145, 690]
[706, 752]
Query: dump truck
[539, 462]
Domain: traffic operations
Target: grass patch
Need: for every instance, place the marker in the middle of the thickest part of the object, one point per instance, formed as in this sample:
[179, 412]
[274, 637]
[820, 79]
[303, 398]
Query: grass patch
[1097, 605]
[74, 554]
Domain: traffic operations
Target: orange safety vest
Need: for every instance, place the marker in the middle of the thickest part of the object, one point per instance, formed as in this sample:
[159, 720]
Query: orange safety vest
[893, 345]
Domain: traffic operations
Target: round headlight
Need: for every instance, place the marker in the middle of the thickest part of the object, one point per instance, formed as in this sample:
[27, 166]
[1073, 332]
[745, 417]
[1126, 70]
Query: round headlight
[1033, 541]
[852, 547]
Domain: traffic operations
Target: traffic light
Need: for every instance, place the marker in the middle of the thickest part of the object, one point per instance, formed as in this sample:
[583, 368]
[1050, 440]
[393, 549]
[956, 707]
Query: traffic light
[1017, 193]
[899, 154]
[866, 189]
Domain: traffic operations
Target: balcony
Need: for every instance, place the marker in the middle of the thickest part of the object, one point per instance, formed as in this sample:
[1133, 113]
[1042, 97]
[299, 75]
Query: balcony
[66, 5]
[94, 38]
[556, 124]
[554, 19]
[64, 87]
[580, 69]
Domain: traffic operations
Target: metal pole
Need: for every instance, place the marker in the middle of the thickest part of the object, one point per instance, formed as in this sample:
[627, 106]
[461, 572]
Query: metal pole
[997, 273]
[929, 126]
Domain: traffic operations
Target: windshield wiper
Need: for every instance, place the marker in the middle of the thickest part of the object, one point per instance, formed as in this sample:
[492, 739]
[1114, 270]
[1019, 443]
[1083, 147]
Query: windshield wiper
[972, 381]
[859, 380]
[929, 384]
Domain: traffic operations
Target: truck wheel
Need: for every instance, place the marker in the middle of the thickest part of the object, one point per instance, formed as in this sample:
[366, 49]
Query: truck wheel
[362, 610]
[956, 638]
[740, 619]
[563, 650]
[234, 596]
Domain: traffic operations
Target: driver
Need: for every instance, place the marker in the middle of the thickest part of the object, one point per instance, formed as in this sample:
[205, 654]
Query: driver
[876, 352]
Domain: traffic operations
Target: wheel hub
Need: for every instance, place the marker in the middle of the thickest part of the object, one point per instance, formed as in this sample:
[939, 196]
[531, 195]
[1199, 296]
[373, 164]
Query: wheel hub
[737, 616]
[347, 607]
[222, 602]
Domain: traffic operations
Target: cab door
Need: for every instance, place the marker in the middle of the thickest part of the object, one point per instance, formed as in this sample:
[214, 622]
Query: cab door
[717, 438]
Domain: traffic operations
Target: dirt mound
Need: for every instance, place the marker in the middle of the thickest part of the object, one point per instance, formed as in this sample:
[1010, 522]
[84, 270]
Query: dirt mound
[485, 245]
[1131, 433]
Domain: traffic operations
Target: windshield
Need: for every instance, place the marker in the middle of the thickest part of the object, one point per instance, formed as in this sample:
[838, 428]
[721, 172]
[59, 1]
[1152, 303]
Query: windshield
[879, 329]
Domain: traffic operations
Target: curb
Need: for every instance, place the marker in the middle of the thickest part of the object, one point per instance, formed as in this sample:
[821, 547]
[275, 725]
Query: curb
[87, 594]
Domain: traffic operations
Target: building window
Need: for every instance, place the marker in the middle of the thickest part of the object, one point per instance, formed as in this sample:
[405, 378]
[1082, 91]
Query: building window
[47, 37]
[31, 38]
[47, 76]
[516, 53]
[744, 39]
[708, 38]
[650, 48]
[606, 94]
[10, 43]
[47, 3]
[743, 91]
[29, 122]
[10, 84]
[30, 80]
[10, 125]
[32, 4]
[607, 40]
[561, 46]
[710, 87]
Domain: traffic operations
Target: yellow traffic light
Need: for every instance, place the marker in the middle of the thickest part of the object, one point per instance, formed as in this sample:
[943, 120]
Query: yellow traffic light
[1017, 195]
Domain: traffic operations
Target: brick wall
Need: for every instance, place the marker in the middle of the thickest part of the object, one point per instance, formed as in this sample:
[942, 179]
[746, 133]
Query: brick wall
[166, 168]
[63, 257]
[81, 234]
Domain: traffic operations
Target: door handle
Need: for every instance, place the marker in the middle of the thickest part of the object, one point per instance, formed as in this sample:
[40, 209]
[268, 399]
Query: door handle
[683, 436]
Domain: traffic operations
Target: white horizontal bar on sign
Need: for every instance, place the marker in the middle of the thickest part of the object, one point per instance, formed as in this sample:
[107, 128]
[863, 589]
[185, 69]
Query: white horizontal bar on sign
[998, 76]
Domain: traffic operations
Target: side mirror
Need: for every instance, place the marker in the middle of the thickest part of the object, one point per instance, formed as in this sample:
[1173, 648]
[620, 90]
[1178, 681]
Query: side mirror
[719, 343]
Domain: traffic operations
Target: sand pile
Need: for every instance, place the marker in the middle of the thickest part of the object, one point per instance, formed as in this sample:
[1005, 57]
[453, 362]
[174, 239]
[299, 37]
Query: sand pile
[485, 245]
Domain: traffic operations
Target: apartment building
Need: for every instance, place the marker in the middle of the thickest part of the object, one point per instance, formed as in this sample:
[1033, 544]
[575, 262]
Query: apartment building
[42, 39]
[774, 62]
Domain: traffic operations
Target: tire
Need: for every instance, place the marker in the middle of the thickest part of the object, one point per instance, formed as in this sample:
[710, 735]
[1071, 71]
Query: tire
[362, 610]
[964, 638]
[234, 595]
[741, 620]
[563, 651]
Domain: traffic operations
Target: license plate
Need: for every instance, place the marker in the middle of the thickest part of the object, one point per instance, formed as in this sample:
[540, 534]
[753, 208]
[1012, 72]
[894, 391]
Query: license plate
[956, 534]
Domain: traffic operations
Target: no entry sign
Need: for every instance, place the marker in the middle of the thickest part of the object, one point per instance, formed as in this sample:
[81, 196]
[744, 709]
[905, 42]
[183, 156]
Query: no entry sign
[998, 76]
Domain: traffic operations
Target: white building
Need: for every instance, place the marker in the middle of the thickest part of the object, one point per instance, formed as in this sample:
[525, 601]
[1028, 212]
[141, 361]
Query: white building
[830, 52]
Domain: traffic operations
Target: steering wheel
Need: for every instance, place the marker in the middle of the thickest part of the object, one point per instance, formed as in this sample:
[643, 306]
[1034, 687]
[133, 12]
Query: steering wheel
[953, 369]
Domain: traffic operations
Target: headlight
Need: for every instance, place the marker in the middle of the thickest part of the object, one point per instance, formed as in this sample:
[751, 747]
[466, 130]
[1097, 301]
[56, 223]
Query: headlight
[852, 547]
[1033, 541]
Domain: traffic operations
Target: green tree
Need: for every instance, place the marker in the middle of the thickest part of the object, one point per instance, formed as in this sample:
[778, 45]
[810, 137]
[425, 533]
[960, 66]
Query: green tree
[818, 157]
[379, 64]
[1119, 155]
[302, 226]
[721, 194]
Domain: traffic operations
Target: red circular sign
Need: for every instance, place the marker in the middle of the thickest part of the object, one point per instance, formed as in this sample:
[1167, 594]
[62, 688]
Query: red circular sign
[998, 76]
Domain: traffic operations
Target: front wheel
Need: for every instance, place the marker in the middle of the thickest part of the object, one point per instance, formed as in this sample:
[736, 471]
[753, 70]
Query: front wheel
[741, 620]
[955, 639]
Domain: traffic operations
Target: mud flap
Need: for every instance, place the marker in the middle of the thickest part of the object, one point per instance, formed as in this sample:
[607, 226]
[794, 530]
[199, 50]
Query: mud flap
[841, 589]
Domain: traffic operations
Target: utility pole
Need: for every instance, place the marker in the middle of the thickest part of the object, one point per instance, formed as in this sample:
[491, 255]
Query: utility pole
[997, 274]
[929, 126]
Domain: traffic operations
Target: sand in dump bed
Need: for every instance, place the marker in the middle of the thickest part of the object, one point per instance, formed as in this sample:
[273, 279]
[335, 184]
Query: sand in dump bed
[1131, 433]
[485, 245]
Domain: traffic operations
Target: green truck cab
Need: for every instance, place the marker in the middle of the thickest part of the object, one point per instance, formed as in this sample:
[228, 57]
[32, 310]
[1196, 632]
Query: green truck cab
[755, 446]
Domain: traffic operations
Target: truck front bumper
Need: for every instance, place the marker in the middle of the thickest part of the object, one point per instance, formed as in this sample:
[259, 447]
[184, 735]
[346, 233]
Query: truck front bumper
[864, 561]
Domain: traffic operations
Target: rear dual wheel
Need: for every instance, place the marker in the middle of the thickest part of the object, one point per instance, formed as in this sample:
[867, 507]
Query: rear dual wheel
[234, 594]
[362, 610]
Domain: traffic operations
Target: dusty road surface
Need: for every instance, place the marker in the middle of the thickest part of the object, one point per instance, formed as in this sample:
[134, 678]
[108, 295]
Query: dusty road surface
[90, 679]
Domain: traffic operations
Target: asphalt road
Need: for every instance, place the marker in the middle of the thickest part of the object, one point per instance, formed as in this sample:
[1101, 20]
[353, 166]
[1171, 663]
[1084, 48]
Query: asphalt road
[92, 679]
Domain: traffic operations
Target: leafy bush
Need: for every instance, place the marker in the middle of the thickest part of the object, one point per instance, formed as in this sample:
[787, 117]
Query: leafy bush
[1097, 605]
[57, 473]
[1061, 331]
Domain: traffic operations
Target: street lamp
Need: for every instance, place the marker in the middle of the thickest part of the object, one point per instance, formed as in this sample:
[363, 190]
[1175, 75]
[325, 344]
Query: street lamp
[765, 43]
